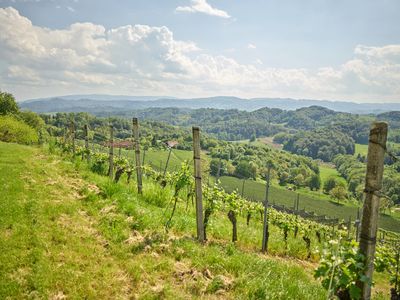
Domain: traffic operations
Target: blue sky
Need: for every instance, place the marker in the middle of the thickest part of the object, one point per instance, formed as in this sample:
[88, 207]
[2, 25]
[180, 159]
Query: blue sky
[335, 50]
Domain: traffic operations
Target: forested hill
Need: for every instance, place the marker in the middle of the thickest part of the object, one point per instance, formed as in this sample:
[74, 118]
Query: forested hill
[314, 131]
[233, 124]
[100, 103]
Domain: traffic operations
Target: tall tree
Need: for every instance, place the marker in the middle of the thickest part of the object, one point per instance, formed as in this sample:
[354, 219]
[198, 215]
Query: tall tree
[8, 105]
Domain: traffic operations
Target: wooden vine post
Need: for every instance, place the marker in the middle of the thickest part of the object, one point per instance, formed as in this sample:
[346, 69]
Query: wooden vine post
[373, 184]
[244, 181]
[166, 164]
[357, 224]
[135, 128]
[219, 167]
[264, 247]
[144, 155]
[86, 130]
[111, 153]
[198, 188]
[73, 136]
[349, 228]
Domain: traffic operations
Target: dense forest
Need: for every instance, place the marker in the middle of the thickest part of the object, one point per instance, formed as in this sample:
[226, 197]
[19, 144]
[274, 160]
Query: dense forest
[314, 131]
[321, 143]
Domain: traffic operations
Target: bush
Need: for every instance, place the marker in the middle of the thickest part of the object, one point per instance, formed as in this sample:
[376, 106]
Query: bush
[314, 182]
[32, 119]
[15, 131]
[330, 184]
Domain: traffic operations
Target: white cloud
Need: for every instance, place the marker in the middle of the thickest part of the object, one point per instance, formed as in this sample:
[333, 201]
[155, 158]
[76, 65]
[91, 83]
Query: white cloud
[251, 46]
[71, 9]
[140, 59]
[22, 74]
[201, 6]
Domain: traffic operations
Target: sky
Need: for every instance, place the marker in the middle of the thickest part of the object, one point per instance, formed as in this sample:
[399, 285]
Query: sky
[311, 49]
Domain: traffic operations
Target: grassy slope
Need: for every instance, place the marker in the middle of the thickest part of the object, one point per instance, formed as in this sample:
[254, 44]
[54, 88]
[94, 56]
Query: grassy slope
[157, 158]
[361, 149]
[326, 171]
[59, 237]
[49, 246]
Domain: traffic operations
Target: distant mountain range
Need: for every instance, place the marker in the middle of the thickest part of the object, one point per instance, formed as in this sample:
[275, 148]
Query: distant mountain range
[102, 97]
[109, 103]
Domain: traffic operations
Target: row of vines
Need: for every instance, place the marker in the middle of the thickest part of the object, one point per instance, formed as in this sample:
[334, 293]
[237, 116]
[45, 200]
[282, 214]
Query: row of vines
[340, 264]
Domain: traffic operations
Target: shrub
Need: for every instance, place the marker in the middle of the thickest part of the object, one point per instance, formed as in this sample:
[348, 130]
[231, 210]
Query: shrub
[330, 184]
[15, 131]
[99, 163]
[32, 119]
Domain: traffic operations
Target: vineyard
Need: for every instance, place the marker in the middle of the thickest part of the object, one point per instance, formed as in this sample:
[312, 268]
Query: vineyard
[199, 149]
[341, 264]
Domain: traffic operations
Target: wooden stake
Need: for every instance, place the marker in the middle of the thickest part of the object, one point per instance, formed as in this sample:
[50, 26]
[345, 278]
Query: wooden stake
[349, 228]
[73, 136]
[373, 184]
[111, 153]
[166, 164]
[198, 187]
[244, 181]
[357, 225]
[264, 247]
[86, 130]
[219, 168]
[135, 127]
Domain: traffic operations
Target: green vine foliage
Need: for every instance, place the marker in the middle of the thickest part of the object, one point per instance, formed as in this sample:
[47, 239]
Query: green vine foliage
[387, 260]
[341, 266]
[99, 163]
